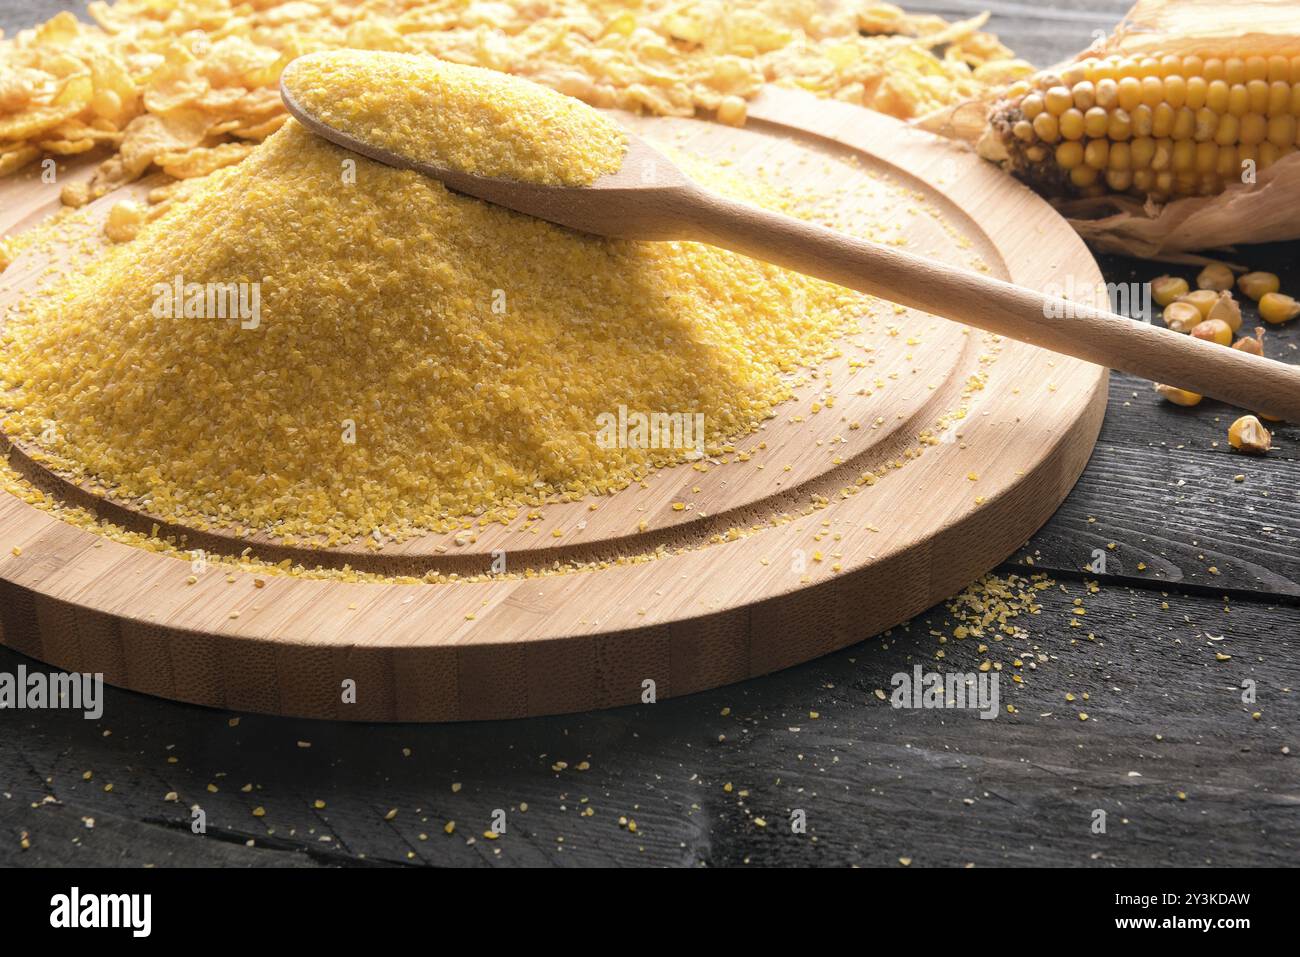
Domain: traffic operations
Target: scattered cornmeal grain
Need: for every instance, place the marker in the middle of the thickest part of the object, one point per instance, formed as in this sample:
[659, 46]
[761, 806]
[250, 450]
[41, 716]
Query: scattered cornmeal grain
[1216, 276]
[463, 118]
[376, 308]
[990, 605]
[1165, 289]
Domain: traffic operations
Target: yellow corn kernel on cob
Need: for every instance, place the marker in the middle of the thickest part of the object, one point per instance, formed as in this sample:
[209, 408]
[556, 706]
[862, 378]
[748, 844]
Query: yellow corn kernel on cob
[1155, 127]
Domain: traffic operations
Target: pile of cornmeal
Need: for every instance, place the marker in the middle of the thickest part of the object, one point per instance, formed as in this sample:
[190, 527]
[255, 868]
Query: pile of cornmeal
[414, 356]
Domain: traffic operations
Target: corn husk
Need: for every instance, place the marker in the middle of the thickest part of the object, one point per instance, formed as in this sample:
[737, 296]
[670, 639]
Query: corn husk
[1264, 211]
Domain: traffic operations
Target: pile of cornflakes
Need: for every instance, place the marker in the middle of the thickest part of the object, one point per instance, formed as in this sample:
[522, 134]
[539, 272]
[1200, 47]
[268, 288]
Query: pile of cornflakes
[190, 86]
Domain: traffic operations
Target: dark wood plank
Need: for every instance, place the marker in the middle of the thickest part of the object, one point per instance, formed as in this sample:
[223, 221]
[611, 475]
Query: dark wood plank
[72, 835]
[1175, 507]
[1041, 34]
[876, 783]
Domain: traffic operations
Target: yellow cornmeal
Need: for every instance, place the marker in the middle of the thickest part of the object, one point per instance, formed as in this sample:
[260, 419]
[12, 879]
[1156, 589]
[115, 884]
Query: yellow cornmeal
[420, 356]
[463, 118]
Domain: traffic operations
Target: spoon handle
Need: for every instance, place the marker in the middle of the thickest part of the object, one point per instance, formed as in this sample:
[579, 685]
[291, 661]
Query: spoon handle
[1252, 382]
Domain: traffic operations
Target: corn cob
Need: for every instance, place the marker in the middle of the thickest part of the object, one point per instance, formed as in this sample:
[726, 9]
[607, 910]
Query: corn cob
[1158, 128]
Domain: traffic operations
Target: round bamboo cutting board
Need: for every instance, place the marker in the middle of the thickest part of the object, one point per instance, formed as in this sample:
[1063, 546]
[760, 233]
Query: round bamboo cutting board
[941, 451]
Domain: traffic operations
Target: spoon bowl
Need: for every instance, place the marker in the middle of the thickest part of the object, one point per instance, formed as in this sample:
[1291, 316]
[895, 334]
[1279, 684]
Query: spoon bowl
[640, 200]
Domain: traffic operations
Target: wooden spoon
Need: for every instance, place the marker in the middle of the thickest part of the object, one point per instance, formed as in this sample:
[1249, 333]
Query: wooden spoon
[649, 198]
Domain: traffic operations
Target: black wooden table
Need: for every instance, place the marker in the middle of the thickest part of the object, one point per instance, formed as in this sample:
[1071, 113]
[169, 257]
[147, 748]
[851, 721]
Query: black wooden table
[1202, 550]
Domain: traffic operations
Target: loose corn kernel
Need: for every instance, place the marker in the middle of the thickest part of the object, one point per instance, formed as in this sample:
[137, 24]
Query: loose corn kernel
[1248, 435]
[1258, 284]
[1182, 316]
[1277, 308]
[1213, 330]
[1165, 289]
[1252, 344]
[1215, 276]
[1202, 299]
[1177, 396]
[1226, 310]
